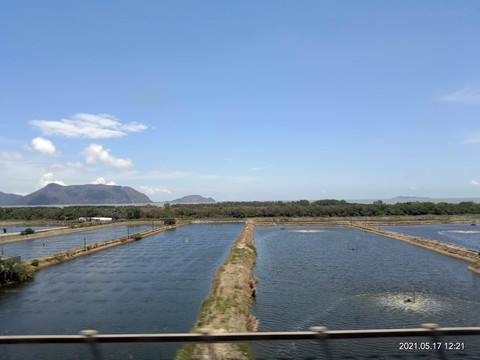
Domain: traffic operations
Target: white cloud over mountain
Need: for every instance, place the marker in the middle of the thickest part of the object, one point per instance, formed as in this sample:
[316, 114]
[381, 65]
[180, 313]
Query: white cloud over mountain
[44, 146]
[96, 153]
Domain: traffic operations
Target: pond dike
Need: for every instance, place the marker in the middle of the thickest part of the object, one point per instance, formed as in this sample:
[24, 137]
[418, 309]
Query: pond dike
[227, 306]
[60, 257]
[445, 248]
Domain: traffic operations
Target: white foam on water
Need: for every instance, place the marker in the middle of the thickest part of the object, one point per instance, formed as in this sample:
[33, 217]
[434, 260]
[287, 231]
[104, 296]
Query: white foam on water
[419, 302]
[307, 231]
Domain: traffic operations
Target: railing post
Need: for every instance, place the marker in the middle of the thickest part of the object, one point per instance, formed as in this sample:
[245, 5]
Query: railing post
[436, 338]
[211, 351]
[92, 341]
[322, 335]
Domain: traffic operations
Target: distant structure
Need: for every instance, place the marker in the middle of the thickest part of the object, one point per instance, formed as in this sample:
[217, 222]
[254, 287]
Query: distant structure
[95, 219]
[4, 259]
[169, 222]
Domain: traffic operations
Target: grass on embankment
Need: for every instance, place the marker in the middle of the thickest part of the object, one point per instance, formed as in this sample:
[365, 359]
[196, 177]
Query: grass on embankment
[227, 307]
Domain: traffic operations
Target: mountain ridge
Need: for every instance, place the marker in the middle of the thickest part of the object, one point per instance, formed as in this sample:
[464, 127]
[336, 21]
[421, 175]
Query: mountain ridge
[94, 194]
[192, 199]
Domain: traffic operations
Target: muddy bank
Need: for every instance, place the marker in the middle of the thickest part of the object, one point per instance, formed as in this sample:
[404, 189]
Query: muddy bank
[227, 307]
[453, 250]
[60, 257]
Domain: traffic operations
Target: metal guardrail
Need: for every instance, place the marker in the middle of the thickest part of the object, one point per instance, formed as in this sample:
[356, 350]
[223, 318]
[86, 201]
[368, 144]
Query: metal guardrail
[320, 333]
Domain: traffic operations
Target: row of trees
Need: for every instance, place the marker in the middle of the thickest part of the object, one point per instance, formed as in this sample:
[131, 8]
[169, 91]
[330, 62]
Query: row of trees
[239, 210]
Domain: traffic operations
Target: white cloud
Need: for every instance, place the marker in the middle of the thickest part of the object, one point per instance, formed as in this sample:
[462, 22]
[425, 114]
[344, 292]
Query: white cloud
[44, 146]
[48, 179]
[6, 155]
[102, 181]
[463, 96]
[149, 190]
[89, 126]
[95, 152]
[474, 182]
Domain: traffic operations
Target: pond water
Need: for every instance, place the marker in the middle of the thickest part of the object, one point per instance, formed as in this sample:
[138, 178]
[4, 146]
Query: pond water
[344, 278]
[460, 234]
[13, 229]
[154, 285]
[30, 249]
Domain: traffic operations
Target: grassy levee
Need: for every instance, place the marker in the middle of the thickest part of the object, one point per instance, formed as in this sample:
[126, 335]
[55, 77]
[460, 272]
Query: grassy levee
[446, 248]
[60, 257]
[227, 307]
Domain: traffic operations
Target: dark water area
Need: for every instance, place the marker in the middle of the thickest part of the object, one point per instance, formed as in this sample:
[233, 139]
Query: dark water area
[460, 234]
[344, 278]
[155, 285]
[30, 249]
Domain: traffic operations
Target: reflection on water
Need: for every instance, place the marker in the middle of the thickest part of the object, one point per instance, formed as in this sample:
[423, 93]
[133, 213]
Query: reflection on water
[344, 278]
[155, 285]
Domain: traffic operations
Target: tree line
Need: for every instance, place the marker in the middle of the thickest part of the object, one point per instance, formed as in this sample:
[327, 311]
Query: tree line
[240, 210]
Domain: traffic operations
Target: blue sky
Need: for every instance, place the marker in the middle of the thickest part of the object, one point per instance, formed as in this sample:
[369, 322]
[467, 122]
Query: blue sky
[242, 100]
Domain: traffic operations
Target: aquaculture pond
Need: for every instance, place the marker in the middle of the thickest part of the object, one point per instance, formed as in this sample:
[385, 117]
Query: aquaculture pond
[155, 285]
[29, 249]
[13, 229]
[461, 234]
[344, 278]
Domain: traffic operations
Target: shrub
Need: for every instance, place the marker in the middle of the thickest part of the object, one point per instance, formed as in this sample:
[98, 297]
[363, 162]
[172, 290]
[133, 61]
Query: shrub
[59, 256]
[23, 272]
[12, 272]
[34, 262]
[27, 231]
[137, 236]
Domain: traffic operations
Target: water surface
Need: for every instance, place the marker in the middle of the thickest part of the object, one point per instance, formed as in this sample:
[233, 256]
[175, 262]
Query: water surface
[29, 249]
[154, 285]
[460, 234]
[344, 278]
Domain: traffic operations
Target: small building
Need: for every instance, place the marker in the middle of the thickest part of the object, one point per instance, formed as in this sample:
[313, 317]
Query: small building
[95, 219]
[5, 259]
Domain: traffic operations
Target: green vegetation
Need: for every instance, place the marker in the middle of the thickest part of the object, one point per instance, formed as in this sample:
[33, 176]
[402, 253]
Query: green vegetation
[27, 231]
[241, 210]
[137, 236]
[12, 272]
[34, 262]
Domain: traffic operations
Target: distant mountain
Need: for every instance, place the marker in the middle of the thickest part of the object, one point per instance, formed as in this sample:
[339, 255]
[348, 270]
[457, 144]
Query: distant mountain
[8, 199]
[54, 194]
[192, 199]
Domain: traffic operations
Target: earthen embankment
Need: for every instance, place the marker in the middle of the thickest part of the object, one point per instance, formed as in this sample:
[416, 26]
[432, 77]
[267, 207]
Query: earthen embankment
[227, 307]
[453, 250]
[63, 230]
[60, 257]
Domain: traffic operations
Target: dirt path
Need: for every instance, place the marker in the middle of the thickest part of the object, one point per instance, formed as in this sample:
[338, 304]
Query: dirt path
[227, 307]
